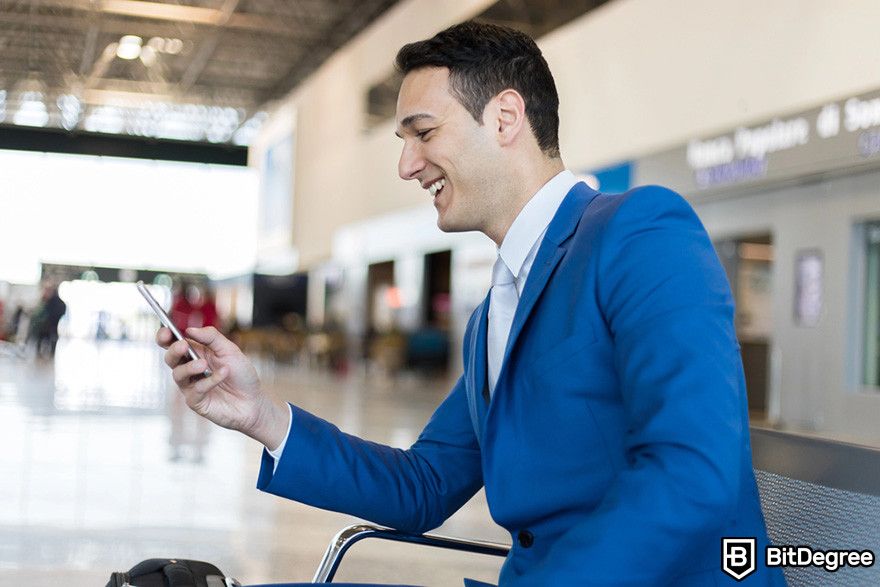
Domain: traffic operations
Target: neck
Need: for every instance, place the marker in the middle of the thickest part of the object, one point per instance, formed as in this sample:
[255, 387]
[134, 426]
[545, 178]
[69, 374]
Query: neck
[522, 187]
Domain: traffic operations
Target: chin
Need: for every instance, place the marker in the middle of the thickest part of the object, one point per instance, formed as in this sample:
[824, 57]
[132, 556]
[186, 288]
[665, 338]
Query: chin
[444, 226]
[447, 224]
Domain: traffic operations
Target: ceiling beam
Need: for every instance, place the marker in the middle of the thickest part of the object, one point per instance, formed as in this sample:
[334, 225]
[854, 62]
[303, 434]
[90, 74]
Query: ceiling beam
[207, 47]
[65, 24]
[154, 12]
[128, 91]
[193, 15]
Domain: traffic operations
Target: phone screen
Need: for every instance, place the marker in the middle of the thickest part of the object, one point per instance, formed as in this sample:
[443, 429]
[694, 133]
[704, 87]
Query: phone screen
[166, 321]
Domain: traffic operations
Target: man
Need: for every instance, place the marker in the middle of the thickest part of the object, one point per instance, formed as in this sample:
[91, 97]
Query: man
[602, 403]
[46, 318]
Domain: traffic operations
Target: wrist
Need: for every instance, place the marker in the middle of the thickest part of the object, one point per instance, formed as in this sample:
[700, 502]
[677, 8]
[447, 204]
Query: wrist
[272, 424]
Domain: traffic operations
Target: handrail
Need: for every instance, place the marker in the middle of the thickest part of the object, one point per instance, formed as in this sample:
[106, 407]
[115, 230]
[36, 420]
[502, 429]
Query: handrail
[347, 537]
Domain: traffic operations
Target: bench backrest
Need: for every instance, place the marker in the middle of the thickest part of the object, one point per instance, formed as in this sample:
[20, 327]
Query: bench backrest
[821, 493]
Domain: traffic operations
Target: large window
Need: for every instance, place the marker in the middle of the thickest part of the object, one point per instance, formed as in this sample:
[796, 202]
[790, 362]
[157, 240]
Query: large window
[871, 354]
[114, 212]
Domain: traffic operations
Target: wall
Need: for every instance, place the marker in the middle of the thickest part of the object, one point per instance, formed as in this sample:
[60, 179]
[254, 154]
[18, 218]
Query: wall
[814, 370]
[639, 75]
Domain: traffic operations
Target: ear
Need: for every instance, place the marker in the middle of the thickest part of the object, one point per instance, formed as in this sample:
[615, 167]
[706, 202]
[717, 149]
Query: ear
[510, 116]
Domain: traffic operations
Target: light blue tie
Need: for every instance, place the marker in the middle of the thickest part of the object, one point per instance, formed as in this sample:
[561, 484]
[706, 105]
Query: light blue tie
[502, 307]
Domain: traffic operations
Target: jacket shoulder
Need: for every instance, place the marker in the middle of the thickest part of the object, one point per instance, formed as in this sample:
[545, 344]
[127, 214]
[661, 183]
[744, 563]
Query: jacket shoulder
[643, 202]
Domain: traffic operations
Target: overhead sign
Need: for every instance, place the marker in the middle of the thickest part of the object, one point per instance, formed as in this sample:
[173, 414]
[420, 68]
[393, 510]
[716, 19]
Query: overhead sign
[834, 136]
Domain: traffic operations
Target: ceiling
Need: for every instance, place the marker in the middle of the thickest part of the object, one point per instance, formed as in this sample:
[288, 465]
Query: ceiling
[194, 70]
[201, 71]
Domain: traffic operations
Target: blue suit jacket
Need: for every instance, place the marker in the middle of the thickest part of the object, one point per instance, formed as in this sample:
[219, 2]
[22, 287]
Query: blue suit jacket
[615, 447]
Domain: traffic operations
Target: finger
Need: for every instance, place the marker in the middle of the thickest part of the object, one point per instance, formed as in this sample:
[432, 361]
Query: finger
[184, 373]
[177, 353]
[211, 338]
[164, 338]
[203, 386]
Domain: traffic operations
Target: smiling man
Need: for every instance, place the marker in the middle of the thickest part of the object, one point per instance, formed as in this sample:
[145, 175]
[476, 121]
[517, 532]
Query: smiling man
[602, 403]
[480, 156]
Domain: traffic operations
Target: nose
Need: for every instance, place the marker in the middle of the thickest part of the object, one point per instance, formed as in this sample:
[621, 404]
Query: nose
[411, 161]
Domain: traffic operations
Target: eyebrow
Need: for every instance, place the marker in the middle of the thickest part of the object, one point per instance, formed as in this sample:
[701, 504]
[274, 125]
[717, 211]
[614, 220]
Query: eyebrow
[412, 119]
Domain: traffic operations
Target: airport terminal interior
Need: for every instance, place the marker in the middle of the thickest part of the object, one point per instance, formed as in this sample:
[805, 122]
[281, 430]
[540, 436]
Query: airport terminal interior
[239, 158]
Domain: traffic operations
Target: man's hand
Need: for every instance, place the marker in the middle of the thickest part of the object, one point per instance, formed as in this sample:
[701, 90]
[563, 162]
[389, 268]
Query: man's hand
[231, 397]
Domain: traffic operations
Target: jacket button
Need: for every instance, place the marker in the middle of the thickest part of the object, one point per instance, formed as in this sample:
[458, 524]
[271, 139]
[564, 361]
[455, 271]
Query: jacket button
[526, 539]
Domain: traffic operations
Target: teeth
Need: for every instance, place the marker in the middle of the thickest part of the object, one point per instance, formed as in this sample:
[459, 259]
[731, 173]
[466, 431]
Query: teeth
[436, 186]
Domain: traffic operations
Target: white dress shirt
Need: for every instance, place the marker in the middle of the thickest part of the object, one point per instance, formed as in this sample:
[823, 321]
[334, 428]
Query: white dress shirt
[521, 243]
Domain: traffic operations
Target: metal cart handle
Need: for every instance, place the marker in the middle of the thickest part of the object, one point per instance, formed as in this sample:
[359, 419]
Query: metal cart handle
[347, 537]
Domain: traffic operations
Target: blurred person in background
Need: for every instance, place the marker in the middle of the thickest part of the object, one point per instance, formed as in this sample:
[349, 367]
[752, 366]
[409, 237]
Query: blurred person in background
[192, 307]
[181, 308]
[602, 404]
[44, 321]
[18, 324]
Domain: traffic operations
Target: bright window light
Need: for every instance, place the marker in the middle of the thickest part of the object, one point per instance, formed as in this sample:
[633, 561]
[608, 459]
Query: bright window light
[106, 211]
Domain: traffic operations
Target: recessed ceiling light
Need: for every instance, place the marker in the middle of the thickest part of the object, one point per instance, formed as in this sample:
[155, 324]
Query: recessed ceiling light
[129, 47]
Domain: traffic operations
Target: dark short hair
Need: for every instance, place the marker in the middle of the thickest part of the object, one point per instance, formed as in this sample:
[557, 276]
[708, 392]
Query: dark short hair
[484, 60]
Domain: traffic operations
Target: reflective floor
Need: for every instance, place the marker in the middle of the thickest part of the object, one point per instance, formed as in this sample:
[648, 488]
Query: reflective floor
[100, 468]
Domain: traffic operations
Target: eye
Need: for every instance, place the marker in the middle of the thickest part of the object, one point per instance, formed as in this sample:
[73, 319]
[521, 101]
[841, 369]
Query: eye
[423, 134]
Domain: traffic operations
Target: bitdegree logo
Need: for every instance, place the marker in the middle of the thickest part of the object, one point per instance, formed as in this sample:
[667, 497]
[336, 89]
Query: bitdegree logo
[830, 560]
[738, 557]
[739, 561]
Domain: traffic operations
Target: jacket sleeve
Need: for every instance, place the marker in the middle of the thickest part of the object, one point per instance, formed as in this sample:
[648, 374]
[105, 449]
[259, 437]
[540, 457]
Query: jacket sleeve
[412, 490]
[668, 309]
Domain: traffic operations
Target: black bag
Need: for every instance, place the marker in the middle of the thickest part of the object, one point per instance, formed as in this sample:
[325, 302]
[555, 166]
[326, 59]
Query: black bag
[165, 572]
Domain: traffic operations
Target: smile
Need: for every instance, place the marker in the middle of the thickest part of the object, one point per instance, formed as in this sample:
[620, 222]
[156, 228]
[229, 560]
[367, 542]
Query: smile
[435, 187]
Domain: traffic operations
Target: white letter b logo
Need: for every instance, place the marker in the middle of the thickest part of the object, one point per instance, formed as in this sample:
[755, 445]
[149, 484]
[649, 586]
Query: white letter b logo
[738, 557]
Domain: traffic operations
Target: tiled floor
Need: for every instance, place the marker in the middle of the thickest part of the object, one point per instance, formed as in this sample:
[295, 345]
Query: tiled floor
[90, 483]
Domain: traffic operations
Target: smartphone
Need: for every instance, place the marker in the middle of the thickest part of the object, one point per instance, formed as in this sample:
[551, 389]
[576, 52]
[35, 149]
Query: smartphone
[166, 321]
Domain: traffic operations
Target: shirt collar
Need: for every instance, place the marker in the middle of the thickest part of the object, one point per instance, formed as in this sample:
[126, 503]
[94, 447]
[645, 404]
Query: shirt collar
[533, 220]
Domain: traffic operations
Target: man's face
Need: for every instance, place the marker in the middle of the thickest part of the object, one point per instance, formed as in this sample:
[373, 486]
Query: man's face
[451, 156]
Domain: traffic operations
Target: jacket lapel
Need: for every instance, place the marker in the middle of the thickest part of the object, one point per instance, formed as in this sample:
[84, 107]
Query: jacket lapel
[550, 253]
[477, 369]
